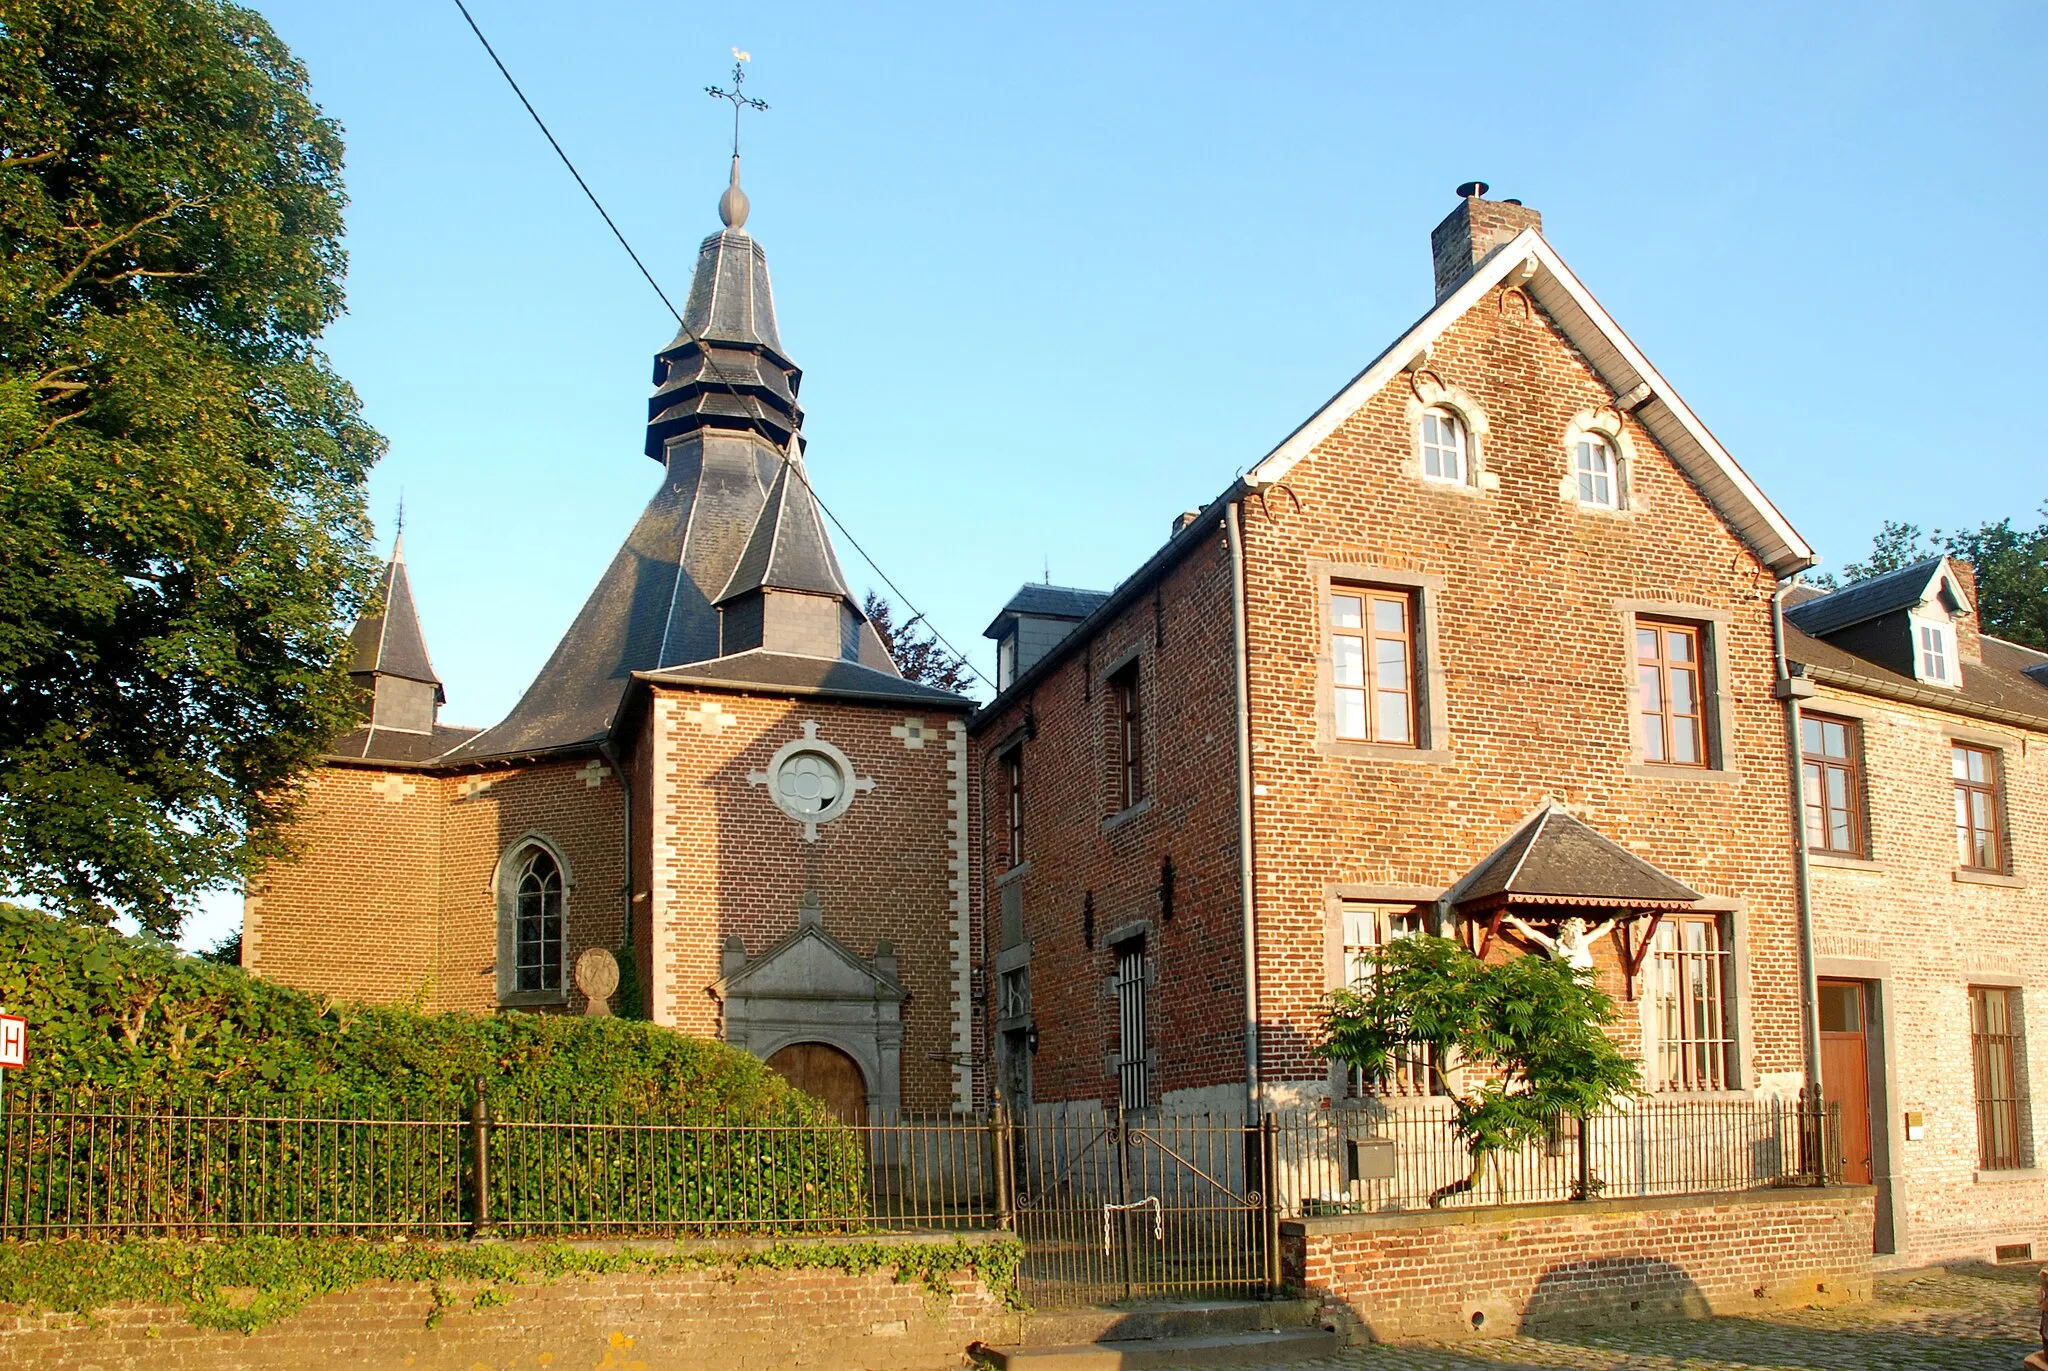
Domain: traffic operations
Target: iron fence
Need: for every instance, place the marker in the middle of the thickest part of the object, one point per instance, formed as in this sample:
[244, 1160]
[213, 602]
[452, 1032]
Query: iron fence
[1382, 1156]
[1102, 1199]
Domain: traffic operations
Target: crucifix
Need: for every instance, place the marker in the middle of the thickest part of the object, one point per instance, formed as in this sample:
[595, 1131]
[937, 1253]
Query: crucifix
[739, 98]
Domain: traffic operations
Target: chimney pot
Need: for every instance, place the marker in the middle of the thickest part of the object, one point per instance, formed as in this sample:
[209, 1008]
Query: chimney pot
[1472, 231]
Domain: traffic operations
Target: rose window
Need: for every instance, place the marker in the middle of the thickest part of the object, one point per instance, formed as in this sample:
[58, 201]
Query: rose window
[808, 784]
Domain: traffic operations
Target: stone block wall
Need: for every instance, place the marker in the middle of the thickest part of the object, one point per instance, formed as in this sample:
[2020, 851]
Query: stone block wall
[1500, 1271]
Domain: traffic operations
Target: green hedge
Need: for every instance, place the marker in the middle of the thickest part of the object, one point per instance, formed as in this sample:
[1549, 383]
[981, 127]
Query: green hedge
[117, 1015]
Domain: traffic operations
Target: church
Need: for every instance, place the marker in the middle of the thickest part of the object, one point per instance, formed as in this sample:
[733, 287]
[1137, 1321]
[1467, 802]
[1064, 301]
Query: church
[719, 776]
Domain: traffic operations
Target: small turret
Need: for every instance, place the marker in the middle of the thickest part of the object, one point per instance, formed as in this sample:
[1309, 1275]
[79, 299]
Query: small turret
[388, 658]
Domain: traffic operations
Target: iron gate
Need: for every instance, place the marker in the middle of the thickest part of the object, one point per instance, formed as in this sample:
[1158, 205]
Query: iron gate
[1112, 1206]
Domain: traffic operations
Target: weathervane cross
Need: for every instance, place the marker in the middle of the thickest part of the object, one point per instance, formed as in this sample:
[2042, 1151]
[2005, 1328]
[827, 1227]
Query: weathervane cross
[739, 98]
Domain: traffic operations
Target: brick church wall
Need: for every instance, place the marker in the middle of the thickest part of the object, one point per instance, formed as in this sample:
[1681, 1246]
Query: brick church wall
[390, 897]
[1536, 665]
[1078, 854]
[1902, 921]
[725, 860]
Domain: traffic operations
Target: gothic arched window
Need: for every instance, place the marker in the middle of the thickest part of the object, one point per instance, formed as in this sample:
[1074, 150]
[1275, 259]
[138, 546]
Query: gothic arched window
[537, 922]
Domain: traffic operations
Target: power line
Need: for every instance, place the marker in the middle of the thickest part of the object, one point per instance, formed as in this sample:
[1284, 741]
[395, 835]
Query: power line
[711, 362]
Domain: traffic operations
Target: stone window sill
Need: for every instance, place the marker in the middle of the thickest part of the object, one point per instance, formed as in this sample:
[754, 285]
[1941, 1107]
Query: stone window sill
[533, 999]
[1015, 873]
[1964, 876]
[1112, 822]
[2011, 1176]
[1657, 771]
[1841, 861]
[1387, 752]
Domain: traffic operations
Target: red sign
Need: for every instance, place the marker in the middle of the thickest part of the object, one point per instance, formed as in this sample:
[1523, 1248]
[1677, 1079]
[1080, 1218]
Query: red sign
[13, 1041]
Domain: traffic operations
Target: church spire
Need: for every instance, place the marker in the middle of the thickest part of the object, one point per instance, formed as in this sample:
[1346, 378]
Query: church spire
[388, 656]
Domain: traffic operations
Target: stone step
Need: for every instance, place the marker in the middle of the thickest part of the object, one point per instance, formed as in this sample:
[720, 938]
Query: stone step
[1163, 1319]
[1264, 1348]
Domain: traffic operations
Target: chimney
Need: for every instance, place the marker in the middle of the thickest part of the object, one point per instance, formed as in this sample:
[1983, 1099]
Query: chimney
[1474, 229]
[1969, 651]
[1181, 521]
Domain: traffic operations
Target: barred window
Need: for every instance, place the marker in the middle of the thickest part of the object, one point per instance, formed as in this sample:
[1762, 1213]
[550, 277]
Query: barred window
[1998, 1094]
[1692, 989]
[1134, 1087]
[1367, 928]
[537, 923]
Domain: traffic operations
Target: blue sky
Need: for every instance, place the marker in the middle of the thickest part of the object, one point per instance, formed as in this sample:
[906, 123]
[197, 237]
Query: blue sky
[1057, 272]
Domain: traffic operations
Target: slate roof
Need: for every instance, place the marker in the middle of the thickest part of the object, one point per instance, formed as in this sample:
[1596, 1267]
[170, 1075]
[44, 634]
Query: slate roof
[1832, 611]
[392, 746]
[1557, 859]
[731, 515]
[389, 642]
[807, 676]
[790, 549]
[1049, 602]
[2010, 680]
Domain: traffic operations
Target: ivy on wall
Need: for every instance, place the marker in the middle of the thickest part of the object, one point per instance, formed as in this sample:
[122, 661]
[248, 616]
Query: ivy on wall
[245, 1283]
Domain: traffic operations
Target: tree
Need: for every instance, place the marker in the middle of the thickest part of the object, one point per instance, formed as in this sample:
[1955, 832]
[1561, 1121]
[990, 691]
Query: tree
[917, 651]
[2011, 565]
[1526, 1030]
[182, 527]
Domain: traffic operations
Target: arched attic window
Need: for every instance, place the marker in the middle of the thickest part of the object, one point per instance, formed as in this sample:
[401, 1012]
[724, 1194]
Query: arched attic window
[1444, 446]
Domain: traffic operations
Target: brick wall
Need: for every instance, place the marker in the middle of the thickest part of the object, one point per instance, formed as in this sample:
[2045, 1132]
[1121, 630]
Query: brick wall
[1537, 669]
[389, 897]
[1900, 920]
[1082, 852]
[1533, 662]
[1496, 1272]
[725, 860]
[714, 1318]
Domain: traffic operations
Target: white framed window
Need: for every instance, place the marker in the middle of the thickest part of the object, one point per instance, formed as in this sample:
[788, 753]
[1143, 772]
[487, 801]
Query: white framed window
[1367, 928]
[1936, 652]
[1444, 447]
[1692, 1020]
[1598, 474]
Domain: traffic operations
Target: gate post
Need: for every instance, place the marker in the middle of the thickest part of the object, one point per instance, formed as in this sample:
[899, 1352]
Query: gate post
[1001, 1162]
[480, 1162]
[1585, 1158]
[1269, 1196]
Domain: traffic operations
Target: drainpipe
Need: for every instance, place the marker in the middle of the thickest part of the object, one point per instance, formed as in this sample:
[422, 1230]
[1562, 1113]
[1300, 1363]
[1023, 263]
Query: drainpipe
[1254, 1088]
[1791, 690]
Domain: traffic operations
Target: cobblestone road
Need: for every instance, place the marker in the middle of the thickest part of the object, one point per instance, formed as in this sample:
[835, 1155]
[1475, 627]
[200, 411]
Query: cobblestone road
[1975, 1319]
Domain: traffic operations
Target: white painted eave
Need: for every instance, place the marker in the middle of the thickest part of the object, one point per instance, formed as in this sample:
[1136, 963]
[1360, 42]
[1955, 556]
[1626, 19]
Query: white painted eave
[1614, 358]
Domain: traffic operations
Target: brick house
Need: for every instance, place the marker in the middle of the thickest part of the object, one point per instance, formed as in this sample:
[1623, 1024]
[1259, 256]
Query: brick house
[719, 775]
[1925, 754]
[1486, 647]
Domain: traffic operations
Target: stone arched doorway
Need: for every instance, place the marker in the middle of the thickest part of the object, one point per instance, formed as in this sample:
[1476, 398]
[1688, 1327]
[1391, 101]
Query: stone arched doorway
[824, 1071]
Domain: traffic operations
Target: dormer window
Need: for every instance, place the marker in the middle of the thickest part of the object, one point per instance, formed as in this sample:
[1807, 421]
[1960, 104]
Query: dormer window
[1006, 660]
[1593, 461]
[1937, 653]
[1443, 446]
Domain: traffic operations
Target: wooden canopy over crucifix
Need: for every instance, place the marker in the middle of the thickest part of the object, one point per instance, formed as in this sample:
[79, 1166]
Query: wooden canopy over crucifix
[1557, 871]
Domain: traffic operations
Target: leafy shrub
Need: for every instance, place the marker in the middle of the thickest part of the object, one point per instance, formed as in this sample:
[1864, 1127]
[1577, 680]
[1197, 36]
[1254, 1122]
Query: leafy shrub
[111, 1014]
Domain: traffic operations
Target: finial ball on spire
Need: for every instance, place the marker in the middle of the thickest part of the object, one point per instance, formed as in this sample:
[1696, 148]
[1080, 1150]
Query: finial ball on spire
[732, 205]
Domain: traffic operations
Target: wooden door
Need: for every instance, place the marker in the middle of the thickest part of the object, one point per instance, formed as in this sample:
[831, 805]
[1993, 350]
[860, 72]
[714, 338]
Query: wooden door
[826, 1072]
[1845, 1070]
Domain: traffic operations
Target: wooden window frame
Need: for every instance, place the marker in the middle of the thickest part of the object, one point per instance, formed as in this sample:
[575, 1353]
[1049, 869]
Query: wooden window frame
[1666, 667]
[1992, 789]
[1690, 1057]
[1815, 771]
[1999, 1092]
[1410, 1076]
[1458, 449]
[1585, 472]
[1127, 720]
[1368, 635]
